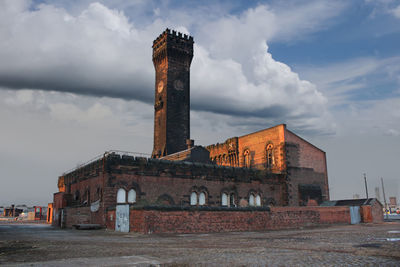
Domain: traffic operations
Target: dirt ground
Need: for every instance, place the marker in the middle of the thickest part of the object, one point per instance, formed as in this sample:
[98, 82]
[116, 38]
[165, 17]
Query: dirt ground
[344, 245]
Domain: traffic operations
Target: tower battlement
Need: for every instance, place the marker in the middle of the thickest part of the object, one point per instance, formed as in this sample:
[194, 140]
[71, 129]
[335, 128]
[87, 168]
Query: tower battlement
[173, 43]
[172, 36]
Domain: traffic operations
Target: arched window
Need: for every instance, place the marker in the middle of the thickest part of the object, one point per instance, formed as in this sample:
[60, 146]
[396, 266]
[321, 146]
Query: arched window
[246, 156]
[251, 200]
[270, 156]
[202, 199]
[258, 200]
[232, 202]
[121, 196]
[193, 199]
[132, 196]
[224, 199]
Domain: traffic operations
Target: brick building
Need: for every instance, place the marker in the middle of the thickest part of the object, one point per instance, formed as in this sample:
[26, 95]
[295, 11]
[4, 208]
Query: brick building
[280, 151]
[271, 167]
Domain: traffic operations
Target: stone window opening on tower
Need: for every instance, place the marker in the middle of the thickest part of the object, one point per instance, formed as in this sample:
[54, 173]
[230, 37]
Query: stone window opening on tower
[121, 196]
[270, 156]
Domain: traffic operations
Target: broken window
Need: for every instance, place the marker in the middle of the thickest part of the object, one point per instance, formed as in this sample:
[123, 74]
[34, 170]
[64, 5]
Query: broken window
[121, 196]
[202, 199]
[132, 196]
[232, 202]
[193, 199]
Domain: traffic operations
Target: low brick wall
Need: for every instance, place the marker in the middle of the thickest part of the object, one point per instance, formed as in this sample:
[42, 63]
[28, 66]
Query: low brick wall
[203, 221]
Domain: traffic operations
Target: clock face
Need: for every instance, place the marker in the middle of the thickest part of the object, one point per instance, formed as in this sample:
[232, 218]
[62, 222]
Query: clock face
[178, 84]
[160, 86]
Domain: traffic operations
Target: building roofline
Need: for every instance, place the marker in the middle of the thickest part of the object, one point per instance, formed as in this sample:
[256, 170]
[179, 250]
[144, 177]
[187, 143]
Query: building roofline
[305, 140]
[282, 124]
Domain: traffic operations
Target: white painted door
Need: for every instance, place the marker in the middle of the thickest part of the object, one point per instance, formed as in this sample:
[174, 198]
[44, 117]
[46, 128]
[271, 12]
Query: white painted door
[122, 218]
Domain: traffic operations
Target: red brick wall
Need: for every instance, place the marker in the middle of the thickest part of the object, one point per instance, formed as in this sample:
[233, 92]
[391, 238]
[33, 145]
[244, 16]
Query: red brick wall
[156, 221]
[338, 215]
[59, 200]
[82, 215]
[110, 220]
[309, 156]
[306, 164]
[92, 184]
[152, 187]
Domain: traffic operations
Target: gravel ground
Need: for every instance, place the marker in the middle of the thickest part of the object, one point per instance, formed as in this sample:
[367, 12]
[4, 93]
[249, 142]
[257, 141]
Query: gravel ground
[344, 245]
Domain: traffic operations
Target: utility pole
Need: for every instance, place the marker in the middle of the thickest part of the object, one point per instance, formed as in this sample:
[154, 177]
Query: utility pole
[384, 196]
[366, 188]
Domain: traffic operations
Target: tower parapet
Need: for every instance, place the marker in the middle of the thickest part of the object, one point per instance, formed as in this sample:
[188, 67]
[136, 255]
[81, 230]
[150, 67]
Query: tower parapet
[173, 44]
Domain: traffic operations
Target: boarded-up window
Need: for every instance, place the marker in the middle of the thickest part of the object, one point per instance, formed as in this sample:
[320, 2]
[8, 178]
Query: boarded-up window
[121, 196]
[193, 199]
[258, 200]
[202, 199]
[251, 200]
[132, 196]
[224, 199]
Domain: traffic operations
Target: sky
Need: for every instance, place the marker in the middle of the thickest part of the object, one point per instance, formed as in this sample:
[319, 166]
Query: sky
[76, 80]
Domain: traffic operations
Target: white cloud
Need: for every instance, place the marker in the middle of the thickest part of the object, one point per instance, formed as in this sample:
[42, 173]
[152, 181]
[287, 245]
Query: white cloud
[341, 81]
[396, 12]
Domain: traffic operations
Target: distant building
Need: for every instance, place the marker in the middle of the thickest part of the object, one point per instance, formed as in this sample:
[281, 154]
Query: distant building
[392, 203]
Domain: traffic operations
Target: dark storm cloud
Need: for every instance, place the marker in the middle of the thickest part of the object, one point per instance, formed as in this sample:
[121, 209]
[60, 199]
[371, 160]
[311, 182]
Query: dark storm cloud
[134, 90]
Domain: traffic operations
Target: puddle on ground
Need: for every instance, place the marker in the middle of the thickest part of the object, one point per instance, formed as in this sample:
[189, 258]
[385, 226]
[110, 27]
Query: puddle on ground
[368, 245]
[392, 239]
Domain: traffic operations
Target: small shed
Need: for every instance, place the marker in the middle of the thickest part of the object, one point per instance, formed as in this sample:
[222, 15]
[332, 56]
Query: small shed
[366, 210]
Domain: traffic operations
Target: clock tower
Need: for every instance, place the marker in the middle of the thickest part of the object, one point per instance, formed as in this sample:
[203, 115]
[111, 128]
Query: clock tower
[172, 55]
